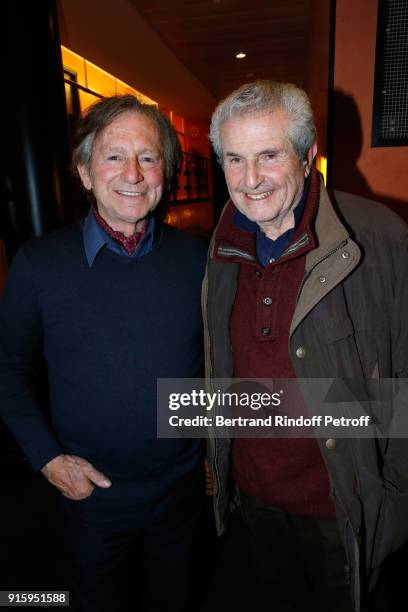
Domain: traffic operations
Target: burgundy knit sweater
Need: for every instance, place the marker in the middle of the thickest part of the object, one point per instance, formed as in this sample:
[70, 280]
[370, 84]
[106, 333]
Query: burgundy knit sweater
[288, 473]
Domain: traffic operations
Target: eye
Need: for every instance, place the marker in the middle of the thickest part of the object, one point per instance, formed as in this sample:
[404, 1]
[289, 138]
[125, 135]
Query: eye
[267, 158]
[115, 157]
[148, 160]
[234, 160]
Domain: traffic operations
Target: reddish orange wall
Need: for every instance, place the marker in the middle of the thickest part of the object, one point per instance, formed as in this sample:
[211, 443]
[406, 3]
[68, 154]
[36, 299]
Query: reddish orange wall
[197, 136]
[380, 172]
[317, 67]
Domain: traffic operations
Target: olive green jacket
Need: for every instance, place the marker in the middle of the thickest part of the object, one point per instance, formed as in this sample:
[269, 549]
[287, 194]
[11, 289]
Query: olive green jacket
[350, 321]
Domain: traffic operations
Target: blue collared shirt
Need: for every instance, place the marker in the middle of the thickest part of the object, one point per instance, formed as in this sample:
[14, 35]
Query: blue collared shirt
[268, 250]
[95, 239]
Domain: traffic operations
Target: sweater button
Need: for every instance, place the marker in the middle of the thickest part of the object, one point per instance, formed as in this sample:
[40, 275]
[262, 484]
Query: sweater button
[265, 331]
[331, 443]
[301, 352]
[345, 254]
[267, 300]
[258, 273]
[322, 279]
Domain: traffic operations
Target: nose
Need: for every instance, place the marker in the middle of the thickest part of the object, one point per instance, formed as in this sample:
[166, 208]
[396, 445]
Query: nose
[132, 172]
[252, 177]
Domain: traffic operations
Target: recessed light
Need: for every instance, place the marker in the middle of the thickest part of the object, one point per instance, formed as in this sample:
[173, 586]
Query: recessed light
[240, 55]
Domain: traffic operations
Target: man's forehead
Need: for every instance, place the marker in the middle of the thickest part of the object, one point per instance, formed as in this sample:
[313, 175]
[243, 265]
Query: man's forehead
[129, 122]
[262, 130]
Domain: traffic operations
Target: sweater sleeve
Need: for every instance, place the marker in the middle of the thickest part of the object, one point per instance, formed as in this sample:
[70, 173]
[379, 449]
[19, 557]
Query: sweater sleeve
[20, 339]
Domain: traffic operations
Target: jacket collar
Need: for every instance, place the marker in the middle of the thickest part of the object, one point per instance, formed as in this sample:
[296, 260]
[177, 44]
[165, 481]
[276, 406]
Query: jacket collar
[334, 257]
[329, 230]
[236, 243]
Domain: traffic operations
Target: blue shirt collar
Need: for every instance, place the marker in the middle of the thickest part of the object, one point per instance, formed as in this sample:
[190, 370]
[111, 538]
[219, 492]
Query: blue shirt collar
[95, 238]
[269, 250]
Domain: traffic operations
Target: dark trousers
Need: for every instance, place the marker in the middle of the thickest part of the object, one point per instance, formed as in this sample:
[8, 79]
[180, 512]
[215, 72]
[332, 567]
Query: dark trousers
[127, 555]
[299, 561]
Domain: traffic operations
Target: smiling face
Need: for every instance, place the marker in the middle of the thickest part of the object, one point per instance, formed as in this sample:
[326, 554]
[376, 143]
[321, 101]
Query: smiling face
[265, 177]
[127, 171]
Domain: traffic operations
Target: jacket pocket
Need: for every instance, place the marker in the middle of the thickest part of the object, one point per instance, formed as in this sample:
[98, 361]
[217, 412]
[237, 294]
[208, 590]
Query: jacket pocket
[337, 328]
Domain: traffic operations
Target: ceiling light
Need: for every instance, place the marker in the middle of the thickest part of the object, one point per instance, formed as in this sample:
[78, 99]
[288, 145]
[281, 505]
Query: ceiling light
[240, 55]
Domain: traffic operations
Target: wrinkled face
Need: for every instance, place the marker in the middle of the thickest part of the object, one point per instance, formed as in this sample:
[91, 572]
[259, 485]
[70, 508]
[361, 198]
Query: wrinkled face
[265, 178]
[127, 171]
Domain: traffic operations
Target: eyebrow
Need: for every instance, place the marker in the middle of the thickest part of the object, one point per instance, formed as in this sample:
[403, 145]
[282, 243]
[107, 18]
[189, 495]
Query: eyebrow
[263, 152]
[151, 151]
[269, 152]
[120, 148]
[114, 147]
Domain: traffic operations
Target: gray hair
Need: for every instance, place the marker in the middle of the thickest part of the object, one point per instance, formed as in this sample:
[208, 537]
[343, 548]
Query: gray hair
[268, 96]
[103, 112]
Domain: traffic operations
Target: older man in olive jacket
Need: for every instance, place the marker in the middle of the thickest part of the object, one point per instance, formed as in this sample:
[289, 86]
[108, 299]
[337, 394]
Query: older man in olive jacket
[303, 284]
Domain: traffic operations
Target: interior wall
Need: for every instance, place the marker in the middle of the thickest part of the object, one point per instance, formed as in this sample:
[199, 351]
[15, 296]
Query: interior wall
[114, 36]
[197, 136]
[379, 173]
[317, 68]
[198, 214]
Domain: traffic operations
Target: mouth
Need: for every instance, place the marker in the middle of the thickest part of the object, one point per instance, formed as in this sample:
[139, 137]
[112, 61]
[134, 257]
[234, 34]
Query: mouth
[259, 196]
[130, 194]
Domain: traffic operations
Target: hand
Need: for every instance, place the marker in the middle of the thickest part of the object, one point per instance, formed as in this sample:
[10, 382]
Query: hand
[73, 476]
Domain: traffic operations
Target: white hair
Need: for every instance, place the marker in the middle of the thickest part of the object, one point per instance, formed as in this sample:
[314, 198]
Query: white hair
[268, 96]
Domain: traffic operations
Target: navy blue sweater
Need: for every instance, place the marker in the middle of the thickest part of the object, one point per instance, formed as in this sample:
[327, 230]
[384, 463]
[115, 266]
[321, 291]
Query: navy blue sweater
[107, 332]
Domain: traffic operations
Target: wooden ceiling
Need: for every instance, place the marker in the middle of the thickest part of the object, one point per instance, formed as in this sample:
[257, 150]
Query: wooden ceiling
[206, 34]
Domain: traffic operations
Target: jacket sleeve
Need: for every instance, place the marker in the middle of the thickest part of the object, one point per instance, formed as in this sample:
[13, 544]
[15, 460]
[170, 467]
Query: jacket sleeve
[396, 457]
[20, 339]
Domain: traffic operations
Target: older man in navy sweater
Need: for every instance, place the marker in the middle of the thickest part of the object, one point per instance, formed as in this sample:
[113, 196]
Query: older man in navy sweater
[114, 304]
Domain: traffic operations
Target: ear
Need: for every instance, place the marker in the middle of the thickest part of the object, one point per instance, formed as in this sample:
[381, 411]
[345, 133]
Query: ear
[311, 154]
[85, 176]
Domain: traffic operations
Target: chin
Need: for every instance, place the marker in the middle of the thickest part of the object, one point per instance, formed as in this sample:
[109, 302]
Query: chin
[260, 216]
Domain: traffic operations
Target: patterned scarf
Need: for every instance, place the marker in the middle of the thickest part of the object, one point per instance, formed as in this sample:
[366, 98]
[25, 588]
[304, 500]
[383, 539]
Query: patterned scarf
[129, 243]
